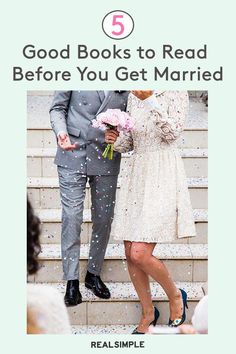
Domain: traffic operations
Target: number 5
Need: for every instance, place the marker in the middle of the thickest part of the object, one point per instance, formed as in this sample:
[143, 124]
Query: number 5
[120, 24]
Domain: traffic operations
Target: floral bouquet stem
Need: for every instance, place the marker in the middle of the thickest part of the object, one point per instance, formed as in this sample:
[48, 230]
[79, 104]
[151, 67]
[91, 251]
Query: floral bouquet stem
[108, 152]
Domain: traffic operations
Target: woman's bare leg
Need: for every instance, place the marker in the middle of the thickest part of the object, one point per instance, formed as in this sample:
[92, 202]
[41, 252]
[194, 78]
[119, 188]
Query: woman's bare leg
[141, 256]
[141, 283]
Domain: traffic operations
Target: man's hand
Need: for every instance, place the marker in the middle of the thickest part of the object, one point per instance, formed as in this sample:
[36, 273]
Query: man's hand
[65, 143]
[142, 95]
[111, 136]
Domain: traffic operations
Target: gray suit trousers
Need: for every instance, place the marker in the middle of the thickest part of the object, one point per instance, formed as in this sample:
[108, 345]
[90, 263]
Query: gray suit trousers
[73, 189]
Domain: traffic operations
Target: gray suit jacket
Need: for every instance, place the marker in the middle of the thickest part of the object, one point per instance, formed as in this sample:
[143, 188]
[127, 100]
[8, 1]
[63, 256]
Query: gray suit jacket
[72, 112]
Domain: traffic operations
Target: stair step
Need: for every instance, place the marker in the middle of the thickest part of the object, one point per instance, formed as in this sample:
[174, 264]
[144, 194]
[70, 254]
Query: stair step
[108, 329]
[54, 215]
[185, 262]
[116, 251]
[124, 291]
[123, 308]
[44, 192]
[51, 227]
[50, 152]
[195, 163]
[45, 138]
[103, 329]
[51, 233]
[52, 182]
[40, 162]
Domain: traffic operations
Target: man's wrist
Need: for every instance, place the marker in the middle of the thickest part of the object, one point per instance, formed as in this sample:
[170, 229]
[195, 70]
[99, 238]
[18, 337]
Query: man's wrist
[61, 132]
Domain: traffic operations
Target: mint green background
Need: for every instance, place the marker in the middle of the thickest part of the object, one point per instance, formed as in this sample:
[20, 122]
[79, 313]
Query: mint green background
[54, 24]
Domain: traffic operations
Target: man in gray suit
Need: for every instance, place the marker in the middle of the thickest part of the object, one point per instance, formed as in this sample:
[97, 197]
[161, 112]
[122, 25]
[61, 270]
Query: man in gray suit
[79, 159]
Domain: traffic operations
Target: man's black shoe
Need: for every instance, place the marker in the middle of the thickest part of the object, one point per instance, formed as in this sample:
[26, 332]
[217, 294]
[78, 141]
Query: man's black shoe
[95, 283]
[72, 296]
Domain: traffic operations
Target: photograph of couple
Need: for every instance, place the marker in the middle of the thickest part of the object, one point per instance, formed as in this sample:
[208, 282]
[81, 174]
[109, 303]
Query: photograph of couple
[117, 212]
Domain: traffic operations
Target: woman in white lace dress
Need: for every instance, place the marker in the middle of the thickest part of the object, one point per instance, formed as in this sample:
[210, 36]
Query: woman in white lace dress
[153, 204]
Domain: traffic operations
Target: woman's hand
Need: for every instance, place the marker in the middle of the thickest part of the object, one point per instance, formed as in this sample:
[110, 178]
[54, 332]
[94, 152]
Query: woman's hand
[142, 95]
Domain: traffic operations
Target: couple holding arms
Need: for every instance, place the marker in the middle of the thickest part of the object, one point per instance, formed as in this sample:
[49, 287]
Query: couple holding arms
[153, 204]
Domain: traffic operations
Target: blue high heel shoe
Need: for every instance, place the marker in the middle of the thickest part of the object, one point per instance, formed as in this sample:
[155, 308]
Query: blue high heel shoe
[153, 323]
[178, 321]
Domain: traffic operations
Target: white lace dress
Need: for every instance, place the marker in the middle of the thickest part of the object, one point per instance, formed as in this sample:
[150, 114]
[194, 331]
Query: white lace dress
[153, 203]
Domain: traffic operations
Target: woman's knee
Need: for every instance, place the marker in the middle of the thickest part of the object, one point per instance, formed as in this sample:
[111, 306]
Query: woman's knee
[138, 257]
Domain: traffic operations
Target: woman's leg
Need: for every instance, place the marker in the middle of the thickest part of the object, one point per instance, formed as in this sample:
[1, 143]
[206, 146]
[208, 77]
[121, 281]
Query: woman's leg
[141, 283]
[141, 257]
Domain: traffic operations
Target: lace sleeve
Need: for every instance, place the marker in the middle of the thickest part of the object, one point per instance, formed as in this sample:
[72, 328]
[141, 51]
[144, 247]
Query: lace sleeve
[170, 122]
[124, 143]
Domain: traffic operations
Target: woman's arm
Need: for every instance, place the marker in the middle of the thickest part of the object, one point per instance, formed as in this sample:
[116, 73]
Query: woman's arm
[124, 143]
[170, 121]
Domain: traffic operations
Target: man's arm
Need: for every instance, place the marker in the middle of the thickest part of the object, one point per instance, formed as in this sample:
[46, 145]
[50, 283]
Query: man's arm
[59, 110]
[58, 115]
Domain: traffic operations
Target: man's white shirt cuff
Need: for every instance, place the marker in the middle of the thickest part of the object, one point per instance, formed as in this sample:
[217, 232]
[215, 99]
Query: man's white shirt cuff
[61, 132]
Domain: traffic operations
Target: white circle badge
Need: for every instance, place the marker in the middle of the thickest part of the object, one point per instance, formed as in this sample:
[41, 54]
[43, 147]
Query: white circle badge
[118, 24]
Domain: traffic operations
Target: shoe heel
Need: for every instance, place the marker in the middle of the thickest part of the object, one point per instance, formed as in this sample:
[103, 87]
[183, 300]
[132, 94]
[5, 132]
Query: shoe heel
[154, 322]
[156, 316]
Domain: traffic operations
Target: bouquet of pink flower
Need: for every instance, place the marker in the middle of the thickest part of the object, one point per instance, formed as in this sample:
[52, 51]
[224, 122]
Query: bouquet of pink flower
[113, 119]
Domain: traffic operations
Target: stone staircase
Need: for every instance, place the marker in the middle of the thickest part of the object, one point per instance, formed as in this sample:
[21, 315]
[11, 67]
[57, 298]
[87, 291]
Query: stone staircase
[186, 259]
